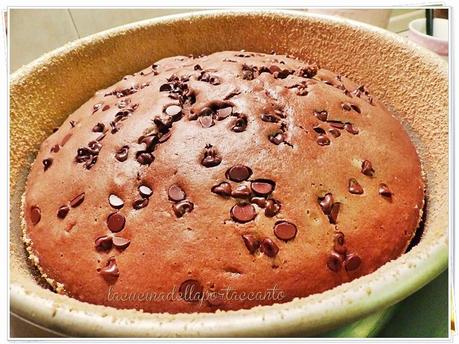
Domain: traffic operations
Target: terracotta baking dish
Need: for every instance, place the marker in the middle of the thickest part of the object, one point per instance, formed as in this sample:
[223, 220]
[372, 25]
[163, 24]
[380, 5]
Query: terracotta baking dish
[409, 79]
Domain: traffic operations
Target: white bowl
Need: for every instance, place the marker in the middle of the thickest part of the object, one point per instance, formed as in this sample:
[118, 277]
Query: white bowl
[437, 43]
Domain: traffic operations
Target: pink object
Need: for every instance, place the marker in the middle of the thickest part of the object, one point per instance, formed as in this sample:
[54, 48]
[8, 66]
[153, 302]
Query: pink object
[438, 43]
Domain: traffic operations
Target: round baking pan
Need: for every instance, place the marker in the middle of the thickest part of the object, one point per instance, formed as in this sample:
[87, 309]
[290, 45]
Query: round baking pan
[408, 79]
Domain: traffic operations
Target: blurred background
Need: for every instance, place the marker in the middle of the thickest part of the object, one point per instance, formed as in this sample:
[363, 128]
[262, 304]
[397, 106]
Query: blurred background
[34, 32]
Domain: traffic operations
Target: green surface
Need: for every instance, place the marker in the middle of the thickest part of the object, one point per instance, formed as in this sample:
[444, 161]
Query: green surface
[367, 327]
[423, 314]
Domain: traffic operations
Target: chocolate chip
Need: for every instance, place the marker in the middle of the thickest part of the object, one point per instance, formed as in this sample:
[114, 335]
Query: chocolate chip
[96, 107]
[352, 262]
[163, 123]
[120, 242]
[262, 186]
[95, 147]
[282, 74]
[116, 222]
[323, 140]
[106, 107]
[115, 201]
[248, 72]
[63, 211]
[273, 207]
[182, 207]
[164, 137]
[98, 128]
[121, 115]
[336, 124]
[165, 88]
[144, 158]
[334, 262]
[222, 189]
[47, 163]
[206, 111]
[224, 113]
[251, 242]
[111, 269]
[240, 124]
[35, 215]
[351, 129]
[214, 80]
[348, 93]
[150, 142]
[339, 243]
[321, 115]
[308, 71]
[384, 190]
[334, 132]
[191, 290]
[333, 216]
[367, 168]
[242, 191]
[145, 191]
[104, 243]
[238, 173]
[122, 154]
[83, 154]
[339, 238]
[285, 230]
[277, 138]
[77, 200]
[269, 247]
[140, 203]
[273, 68]
[243, 213]
[206, 121]
[204, 76]
[355, 187]
[174, 111]
[55, 148]
[269, 118]
[176, 193]
[319, 130]
[87, 156]
[355, 108]
[326, 203]
[114, 126]
[260, 201]
[346, 106]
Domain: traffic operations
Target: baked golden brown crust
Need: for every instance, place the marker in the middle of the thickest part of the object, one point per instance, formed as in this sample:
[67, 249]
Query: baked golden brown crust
[231, 173]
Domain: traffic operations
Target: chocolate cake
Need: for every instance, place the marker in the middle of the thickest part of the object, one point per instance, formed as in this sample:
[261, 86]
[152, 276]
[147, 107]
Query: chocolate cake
[221, 182]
